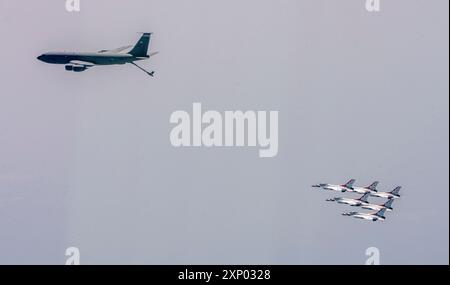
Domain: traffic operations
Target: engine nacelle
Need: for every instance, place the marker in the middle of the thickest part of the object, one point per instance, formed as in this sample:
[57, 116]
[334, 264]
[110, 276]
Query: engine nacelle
[75, 67]
[79, 68]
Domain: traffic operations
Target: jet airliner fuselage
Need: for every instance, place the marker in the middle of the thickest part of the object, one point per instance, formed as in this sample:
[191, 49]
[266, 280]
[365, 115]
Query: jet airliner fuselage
[94, 58]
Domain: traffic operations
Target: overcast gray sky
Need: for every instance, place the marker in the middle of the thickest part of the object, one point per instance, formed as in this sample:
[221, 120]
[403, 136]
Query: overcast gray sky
[86, 160]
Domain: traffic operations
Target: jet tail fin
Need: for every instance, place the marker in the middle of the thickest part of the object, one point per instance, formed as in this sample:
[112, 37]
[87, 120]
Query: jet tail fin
[373, 186]
[365, 197]
[140, 49]
[350, 183]
[396, 190]
[388, 204]
[380, 213]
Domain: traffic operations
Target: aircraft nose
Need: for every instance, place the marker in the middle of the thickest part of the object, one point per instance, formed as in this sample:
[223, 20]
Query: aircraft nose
[41, 57]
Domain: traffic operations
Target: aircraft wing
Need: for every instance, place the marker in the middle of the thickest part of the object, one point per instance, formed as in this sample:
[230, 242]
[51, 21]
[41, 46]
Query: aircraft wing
[82, 63]
[116, 50]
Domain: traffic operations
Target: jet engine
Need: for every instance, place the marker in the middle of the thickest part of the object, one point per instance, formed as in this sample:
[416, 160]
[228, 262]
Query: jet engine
[79, 68]
[75, 67]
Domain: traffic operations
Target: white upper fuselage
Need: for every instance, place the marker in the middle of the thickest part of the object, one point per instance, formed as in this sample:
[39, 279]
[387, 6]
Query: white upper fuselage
[361, 190]
[351, 202]
[386, 195]
[331, 187]
[375, 207]
[369, 217]
[359, 203]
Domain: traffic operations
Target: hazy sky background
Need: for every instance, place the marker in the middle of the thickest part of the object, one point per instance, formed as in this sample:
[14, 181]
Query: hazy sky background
[86, 161]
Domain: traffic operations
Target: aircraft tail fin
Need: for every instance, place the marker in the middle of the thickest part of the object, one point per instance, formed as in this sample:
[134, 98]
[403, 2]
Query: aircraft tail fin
[380, 213]
[365, 197]
[140, 49]
[388, 204]
[396, 190]
[373, 186]
[350, 183]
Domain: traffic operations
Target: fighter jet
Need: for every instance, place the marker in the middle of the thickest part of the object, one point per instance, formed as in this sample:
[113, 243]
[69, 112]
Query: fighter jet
[78, 62]
[388, 195]
[352, 202]
[368, 216]
[339, 188]
[375, 207]
[372, 188]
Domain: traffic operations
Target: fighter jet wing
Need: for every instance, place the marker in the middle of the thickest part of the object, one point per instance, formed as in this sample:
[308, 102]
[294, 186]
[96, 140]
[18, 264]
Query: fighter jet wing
[116, 50]
[82, 63]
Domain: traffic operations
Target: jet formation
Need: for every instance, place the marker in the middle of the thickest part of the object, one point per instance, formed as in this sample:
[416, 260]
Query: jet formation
[80, 61]
[363, 201]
